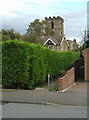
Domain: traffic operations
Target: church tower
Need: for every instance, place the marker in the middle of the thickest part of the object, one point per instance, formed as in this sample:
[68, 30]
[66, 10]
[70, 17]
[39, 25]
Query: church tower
[56, 25]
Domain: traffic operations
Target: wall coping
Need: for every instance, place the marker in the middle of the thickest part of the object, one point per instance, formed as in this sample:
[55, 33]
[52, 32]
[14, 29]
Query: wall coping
[66, 73]
[85, 50]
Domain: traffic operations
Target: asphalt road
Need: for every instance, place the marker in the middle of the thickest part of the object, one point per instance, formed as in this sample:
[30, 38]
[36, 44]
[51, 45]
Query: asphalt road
[44, 96]
[0, 111]
[17, 110]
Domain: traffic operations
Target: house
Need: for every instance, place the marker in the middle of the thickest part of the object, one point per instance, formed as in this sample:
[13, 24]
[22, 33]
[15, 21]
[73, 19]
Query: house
[57, 41]
[72, 44]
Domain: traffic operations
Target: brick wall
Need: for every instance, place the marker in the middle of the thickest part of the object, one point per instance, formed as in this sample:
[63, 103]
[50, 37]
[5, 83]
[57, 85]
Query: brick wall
[86, 64]
[67, 80]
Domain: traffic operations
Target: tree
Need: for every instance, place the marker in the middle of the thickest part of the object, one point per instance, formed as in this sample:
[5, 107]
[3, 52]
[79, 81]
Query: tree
[7, 34]
[35, 27]
[39, 28]
[36, 30]
[10, 35]
[18, 36]
[32, 38]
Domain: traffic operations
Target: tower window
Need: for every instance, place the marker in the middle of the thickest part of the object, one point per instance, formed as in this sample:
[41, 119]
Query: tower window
[52, 24]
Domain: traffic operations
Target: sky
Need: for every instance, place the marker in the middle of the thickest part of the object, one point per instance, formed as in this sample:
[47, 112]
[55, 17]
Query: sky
[18, 14]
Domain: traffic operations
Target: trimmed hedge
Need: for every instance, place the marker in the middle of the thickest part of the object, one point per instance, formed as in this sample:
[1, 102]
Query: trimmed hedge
[26, 65]
[15, 64]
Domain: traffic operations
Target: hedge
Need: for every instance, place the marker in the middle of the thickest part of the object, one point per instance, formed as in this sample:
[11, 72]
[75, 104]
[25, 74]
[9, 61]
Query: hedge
[15, 64]
[26, 65]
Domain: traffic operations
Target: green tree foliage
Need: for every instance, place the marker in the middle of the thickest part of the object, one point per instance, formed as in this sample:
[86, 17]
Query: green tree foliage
[27, 65]
[32, 38]
[10, 35]
[36, 30]
[35, 27]
[39, 28]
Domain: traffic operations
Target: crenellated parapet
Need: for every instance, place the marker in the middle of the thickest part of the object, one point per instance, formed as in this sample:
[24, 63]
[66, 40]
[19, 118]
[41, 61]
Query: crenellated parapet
[55, 24]
[54, 18]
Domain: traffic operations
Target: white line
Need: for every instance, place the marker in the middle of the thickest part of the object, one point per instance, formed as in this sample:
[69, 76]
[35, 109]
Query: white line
[68, 87]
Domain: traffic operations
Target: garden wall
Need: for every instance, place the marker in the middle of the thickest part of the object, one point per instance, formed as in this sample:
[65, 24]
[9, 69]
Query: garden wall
[67, 80]
[86, 64]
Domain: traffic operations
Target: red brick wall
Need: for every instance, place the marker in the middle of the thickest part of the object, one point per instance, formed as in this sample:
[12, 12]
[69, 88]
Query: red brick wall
[86, 64]
[67, 80]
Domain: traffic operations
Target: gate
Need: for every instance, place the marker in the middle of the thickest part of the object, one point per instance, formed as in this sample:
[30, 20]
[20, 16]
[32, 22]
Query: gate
[79, 69]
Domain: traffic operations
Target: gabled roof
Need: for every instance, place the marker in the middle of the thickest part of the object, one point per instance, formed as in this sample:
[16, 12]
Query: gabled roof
[70, 41]
[65, 40]
[49, 39]
[55, 39]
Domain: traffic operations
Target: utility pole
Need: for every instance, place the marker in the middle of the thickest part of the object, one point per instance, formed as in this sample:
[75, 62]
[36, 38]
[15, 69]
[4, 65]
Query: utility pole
[85, 36]
[85, 39]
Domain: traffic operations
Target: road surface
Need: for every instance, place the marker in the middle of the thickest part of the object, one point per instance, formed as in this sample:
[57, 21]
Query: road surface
[18, 110]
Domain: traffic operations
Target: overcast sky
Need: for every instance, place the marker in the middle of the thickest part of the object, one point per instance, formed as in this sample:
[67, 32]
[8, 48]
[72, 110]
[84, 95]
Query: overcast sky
[18, 14]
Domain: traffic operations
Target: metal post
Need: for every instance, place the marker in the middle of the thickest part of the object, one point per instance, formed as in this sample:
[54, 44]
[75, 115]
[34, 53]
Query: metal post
[48, 80]
[85, 35]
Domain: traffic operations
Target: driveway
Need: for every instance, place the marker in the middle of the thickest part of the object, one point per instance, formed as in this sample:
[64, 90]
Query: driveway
[80, 87]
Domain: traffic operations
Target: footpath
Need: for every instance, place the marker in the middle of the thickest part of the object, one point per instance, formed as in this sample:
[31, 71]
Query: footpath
[77, 95]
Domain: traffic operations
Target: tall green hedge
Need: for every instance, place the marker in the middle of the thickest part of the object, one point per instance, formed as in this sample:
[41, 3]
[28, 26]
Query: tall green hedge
[15, 64]
[26, 65]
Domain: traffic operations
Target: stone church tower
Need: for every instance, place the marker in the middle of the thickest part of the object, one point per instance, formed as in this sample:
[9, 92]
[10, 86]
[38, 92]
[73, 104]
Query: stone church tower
[56, 25]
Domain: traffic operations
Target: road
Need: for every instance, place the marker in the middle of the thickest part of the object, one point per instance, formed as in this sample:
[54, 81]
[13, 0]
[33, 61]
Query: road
[18, 110]
[0, 111]
[43, 96]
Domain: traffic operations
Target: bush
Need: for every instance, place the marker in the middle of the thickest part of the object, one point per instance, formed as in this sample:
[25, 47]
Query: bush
[27, 65]
[62, 73]
[70, 66]
[15, 65]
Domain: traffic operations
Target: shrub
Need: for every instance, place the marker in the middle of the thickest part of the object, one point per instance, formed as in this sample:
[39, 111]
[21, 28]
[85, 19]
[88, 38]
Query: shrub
[70, 66]
[27, 65]
[62, 73]
[15, 65]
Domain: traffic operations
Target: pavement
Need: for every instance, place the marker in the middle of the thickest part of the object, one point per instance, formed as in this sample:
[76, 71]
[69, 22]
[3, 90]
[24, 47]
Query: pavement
[75, 96]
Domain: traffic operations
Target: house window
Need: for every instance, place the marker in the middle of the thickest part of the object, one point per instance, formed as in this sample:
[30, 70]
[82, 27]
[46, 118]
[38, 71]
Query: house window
[65, 48]
[61, 47]
[50, 47]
